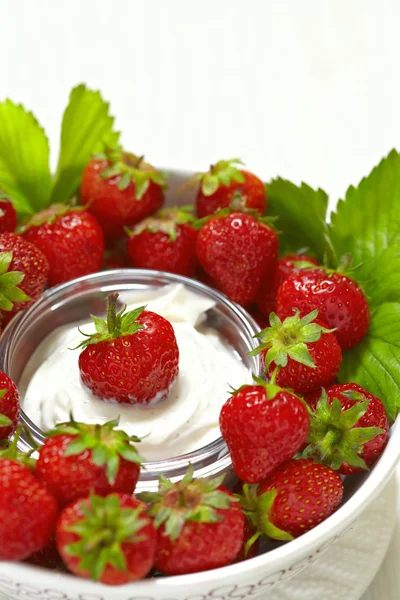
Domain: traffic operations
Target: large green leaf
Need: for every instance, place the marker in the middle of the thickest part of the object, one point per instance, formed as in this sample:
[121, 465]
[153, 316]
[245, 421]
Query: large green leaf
[302, 212]
[86, 128]
[383, 284]
[367, 221]
[375, 362]
[24, 159]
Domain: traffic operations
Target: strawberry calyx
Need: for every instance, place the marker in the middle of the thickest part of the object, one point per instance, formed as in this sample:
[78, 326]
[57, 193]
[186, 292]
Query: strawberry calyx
[237, 205]
[166, 220]
[106, 444]
[4, 195]
[270, 387]
[289, 339]
[117, 324]
[333, 439]
[190, 499]
[102, 530]
[10, 291]
[47, 216]
[131, 169]
[258, 509]
[222, 173]
[9, 448]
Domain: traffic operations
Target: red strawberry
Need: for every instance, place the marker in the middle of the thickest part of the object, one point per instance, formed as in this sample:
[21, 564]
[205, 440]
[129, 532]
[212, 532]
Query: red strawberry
[299, 495]
[285, 267]
[77, 459]
[120, 189]
[251, 544]
[263, 426]
[30, 271]
[349, 429]
[306, 354]
[28, 512]
[222, 182]
[340, 301]
[8, 214]
[9, 406]
[115, 259]
[239, 251]
[110, 539]
[200, 525]
[165, 242]
[133, 357]
[71, 240]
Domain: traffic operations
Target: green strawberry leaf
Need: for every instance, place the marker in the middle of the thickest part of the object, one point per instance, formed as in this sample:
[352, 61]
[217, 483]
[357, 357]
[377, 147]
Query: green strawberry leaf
[24, 159]
[367, 222]
[374, 363]
[383, 284]
[87, 128]
[302, 212]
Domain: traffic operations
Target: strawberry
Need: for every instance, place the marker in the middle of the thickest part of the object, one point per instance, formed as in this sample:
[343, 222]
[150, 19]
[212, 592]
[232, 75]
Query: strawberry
[9, 406]
[306, 354]
[77, 459]
[199, 524]
[220, 184]
[251, 546]
[263, 426]
[28, 512]
[70, 238]
[341, 302]
[165, 242]
[132, 358]
[8, 214]
[239, 251]
[48, 557]
[349, 428]
[299, 495]
[120, 189]
[110, 539]
[286, 266]
[115, 259]
[29, 269]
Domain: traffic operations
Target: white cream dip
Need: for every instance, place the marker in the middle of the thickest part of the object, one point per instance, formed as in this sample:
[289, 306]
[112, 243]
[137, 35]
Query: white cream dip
[187, 420]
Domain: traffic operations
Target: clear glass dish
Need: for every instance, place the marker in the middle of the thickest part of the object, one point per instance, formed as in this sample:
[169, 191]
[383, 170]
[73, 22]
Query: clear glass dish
[77, 299]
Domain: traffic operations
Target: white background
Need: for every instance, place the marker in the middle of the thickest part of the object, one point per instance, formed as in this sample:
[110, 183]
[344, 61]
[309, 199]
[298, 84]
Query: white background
[307, 89]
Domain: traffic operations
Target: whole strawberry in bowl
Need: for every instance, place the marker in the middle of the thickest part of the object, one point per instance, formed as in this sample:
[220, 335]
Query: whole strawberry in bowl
[222, 182]
[165, 242]
[132, 357]
[120, 189]
[70, 238]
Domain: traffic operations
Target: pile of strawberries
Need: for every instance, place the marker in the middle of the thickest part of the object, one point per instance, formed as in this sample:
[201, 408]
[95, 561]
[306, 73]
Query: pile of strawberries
[292, 434]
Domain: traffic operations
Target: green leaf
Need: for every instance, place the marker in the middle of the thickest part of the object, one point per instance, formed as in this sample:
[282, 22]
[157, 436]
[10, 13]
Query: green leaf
[367, 221]
[383, 283]
[302, 212]
[24, 159]
[87, 128]
[374, 363]
[4, 421]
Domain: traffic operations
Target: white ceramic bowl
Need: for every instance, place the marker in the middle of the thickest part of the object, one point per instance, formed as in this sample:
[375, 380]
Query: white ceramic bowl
[250, 578]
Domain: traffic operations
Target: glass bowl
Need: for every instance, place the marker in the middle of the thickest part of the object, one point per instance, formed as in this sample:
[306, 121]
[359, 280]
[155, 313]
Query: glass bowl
[75, 300]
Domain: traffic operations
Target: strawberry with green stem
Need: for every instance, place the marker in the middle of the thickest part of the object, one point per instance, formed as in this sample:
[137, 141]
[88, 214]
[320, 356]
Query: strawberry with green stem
[9, 406]
[165, 242]
[120, 189]
[339, 299]
[238, 249]
[263, 425]
[306, 352]
[28, 511]
[297, 496]
[23, 274]
[348, 428]
[219, 185]
[77, 458]
[70, 238]
[199, 524]
[108, 539]
[132, 358]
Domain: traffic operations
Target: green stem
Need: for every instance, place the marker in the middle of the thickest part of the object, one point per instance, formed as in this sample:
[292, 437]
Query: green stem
[274, 375]
[330, 438]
